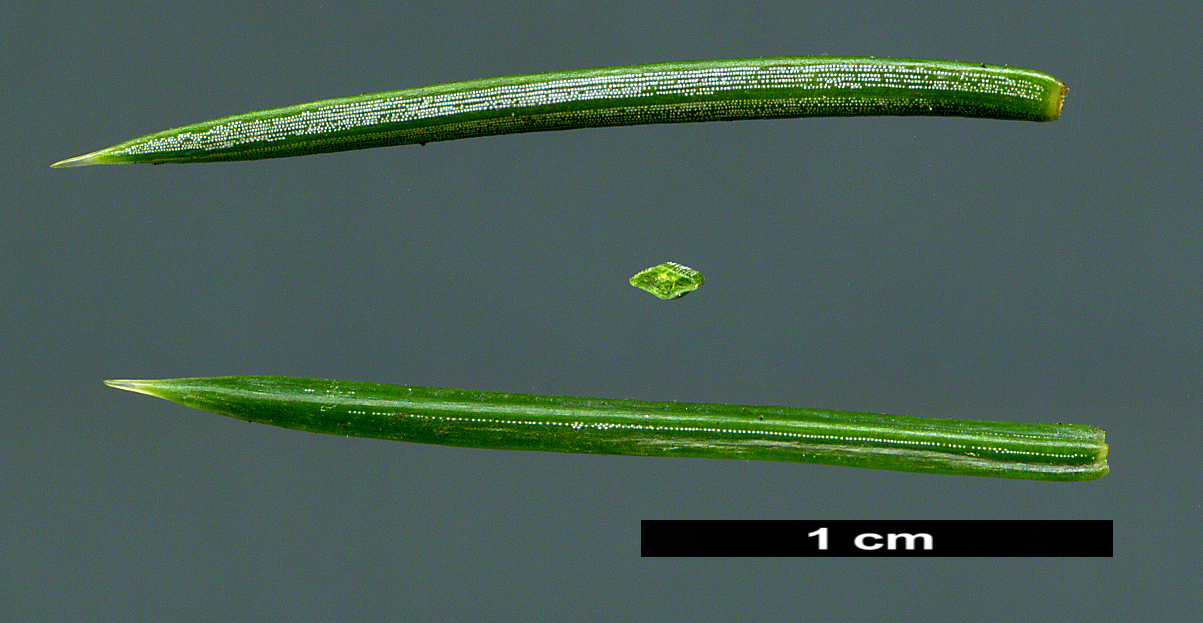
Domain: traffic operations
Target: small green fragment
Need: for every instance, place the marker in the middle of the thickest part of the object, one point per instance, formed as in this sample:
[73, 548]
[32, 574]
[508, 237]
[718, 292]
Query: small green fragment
[669, 280]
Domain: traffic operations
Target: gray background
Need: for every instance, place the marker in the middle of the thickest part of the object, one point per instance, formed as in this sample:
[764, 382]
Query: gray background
[936, 267]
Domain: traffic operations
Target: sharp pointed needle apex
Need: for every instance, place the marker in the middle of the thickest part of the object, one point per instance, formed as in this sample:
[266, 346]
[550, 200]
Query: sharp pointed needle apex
[79, 161]
[133, 386]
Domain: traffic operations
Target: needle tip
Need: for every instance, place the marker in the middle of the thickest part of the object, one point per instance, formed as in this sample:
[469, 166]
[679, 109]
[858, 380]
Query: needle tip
[142, 387]
[80, 161]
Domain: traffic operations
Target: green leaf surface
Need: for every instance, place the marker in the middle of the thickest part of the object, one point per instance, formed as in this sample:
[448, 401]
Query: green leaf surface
[508, 421]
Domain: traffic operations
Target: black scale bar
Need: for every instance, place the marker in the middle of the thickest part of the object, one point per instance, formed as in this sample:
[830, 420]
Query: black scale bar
[937, 538]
